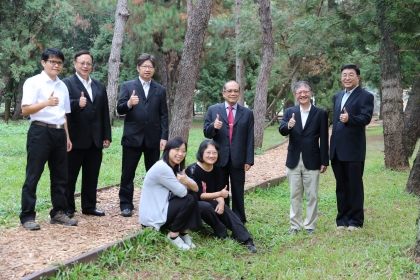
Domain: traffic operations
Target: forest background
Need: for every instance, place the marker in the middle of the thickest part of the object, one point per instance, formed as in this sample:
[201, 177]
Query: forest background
[266, 45]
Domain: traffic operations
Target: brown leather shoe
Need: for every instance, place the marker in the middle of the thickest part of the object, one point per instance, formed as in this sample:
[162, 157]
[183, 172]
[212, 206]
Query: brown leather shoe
[31, 225]
[62, 219]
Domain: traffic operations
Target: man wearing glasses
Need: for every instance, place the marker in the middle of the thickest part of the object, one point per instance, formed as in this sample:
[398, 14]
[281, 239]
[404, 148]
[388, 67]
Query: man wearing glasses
[143, 101]
[232, 127]
[90, 132]
[307, 156]
[46, 99]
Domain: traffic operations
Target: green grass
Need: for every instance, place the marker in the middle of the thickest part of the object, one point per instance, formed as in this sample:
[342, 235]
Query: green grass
[381, 250]
[13, 163]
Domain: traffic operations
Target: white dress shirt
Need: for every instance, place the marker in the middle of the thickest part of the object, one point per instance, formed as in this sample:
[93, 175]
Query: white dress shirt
[346, 96]
[146, 86]
[88, 85]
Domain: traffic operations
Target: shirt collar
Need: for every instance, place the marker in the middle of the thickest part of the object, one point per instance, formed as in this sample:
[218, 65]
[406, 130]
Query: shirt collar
[234, 106]
[349, 92]
[144, 82]
[301, 109]
[81, 79]
[47, 78]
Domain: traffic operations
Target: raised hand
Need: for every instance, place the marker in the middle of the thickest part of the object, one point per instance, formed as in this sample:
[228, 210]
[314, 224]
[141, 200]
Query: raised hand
[217, 123]
[292, 121]
[82, 100]
[134, 99]
[52, 100]
[344, 117]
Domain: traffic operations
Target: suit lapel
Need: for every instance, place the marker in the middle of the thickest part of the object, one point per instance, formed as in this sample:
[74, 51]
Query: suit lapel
[222, 112]
[239, 113]
[139, 89]
[94, 90]
[352, 96]
[298, 117]
[311, 114]
[338, 103]
[152, 89]
[81, 87]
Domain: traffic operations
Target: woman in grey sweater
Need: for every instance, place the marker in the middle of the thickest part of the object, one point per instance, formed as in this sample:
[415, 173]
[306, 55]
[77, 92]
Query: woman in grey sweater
[165, 198]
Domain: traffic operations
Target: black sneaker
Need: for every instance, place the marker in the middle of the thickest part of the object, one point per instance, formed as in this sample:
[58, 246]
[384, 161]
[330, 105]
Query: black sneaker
[31, 225]
[126, 212]
[61, 219]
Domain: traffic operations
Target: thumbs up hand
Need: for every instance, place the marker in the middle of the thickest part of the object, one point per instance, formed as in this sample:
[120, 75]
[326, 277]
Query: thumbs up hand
[82, 100]
[134, 99]
[292, 121]
[217, 123]
[224, 193]
[52, 100]
[344, 117]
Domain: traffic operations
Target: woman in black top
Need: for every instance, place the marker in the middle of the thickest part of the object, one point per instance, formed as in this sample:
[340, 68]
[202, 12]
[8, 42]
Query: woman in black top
[211, 195]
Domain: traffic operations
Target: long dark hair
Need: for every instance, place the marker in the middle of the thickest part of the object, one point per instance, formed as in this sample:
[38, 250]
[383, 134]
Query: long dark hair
[174, 143]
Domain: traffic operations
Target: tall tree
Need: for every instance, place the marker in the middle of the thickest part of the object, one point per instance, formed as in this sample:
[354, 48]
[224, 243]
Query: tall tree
[260, 101]
[198, 18]
[392, 103]
[240, 65]
[121, 17]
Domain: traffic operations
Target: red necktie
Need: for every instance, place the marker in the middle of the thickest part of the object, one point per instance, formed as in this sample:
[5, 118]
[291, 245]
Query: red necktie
[231, 119]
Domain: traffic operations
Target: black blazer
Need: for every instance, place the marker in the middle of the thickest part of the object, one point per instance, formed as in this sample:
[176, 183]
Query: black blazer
[312, 141]
[242, 150]
[348, 140]
[92, 122]
[148, 120]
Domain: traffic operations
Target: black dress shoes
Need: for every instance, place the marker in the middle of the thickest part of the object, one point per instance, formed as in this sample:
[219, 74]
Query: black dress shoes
[94, 212]
[126, 212]
[250, 245]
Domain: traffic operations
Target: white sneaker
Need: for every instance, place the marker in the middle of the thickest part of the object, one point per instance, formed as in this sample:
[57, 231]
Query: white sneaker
[187, 240]
[179, 243]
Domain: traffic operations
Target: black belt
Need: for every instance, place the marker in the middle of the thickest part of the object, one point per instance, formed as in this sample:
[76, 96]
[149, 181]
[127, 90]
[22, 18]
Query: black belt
[56, 126]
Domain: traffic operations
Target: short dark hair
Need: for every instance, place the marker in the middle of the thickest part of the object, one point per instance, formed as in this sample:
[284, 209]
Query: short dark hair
[351, 66]
[145, 56]
[174, 143]
[82, 52]
[224, 86]
[52, 52]
[300, 84]
[203, 146]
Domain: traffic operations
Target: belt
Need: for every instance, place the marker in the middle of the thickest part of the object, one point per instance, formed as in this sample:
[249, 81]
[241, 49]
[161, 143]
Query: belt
[56, 126]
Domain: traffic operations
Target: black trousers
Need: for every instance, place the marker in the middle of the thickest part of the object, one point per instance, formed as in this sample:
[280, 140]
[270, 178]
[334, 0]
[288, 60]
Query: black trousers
[349, 191]
[219, 223]
[130, 159]
[183, 213]
[90, 162]
[45, 145]
[237, 185]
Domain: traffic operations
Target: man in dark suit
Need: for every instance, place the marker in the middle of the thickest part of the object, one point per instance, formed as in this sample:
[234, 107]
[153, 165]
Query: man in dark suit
[353, 108]
[143, 101]
[90, 132]
[307, 156]
[232, 127]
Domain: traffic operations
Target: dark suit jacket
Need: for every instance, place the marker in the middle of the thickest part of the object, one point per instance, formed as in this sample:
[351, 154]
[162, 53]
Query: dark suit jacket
[312, 141]
[348, 140]
[90, 123]
[242, 150]
[148, 120]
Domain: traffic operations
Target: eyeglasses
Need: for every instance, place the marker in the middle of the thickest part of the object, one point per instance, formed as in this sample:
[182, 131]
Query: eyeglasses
[348, 76]
[303, 92]
[147, 67]
[54, 62]
[211, 153]
[232, 90]
[88, 64]
[177, 150]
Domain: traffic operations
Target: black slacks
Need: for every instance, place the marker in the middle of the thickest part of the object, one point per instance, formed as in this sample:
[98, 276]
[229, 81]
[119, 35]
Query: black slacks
[219, 223]
[349, 191]
[183, 213]
[237, 185]
[130, 159]
[90, 162]
[43, 145]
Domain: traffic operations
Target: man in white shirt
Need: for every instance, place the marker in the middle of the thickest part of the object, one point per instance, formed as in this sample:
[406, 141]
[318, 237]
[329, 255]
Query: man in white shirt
[307, 156]
[90, 131]
[46, 100]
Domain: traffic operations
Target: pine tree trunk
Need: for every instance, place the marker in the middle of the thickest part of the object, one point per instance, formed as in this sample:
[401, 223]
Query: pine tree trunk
[413, 182]
[240, 66]
[260, 101]
[392, 110]
[121, 17]
[198, 18]
[411, 119]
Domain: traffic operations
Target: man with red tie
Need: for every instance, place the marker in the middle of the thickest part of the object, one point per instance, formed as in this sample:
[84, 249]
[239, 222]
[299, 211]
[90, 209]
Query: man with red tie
[232, 127]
